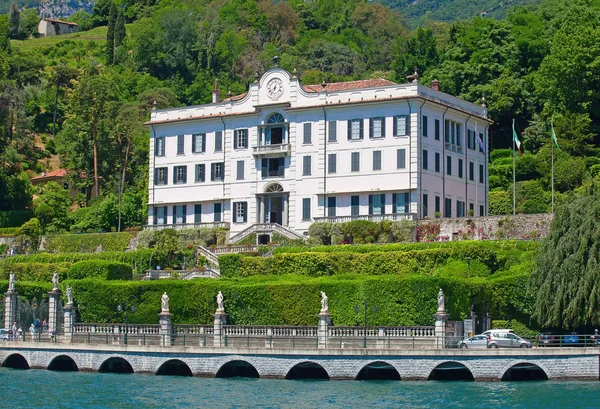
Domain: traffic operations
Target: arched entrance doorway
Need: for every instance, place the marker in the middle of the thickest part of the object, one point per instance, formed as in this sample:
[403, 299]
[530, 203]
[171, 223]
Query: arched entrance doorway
[273, 205]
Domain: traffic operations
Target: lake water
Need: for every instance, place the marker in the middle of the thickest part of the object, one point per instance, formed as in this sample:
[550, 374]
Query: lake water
[48, 389]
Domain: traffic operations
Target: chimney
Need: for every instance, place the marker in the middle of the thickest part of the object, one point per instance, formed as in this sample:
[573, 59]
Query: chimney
[435, 84]
[43, 173]
[216, 94]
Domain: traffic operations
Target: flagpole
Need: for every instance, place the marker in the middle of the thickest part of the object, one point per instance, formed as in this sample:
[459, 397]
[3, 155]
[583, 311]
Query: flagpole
[514, 174]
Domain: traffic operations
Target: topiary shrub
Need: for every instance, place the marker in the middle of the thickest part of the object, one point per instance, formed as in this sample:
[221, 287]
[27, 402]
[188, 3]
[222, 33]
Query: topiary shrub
[108, 270]
[361, 231]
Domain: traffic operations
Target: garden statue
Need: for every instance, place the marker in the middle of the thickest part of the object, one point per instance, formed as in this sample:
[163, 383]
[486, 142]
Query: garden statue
[69, 295]
[324, 303]
[220, 306]
[165, 302]
[55, 281]
[441, 301]
[11, 282]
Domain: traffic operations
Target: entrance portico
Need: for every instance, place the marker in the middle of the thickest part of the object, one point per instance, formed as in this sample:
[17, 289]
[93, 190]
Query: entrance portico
[273, 205]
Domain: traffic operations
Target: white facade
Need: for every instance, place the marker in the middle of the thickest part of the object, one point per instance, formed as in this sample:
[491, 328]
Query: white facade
[48, 27]
[287, 156]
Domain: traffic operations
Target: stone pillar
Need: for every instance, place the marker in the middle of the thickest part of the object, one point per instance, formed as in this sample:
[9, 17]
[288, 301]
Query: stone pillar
[261, 210]
[220, 320]
[323, 329]
[10, 308]
[441, 318]
[166, 328]
[285, 210]
[69, 321]
[54, 299]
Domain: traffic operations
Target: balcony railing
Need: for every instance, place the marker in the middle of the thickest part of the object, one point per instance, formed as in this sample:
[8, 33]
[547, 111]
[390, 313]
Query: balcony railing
[181, 226]
[273, 173]
[278, 149]
[369, 217]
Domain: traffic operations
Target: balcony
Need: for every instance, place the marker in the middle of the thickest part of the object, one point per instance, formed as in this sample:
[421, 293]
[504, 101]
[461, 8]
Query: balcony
[277, 172]
[270, 150]
[182, 226]
[369, 217]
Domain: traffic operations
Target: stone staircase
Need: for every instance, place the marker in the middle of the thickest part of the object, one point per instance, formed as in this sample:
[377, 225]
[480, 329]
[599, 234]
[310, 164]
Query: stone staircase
[266, 228]
[212, 258]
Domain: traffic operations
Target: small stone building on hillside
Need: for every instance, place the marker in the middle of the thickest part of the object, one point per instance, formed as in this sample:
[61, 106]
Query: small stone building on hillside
[49, 27]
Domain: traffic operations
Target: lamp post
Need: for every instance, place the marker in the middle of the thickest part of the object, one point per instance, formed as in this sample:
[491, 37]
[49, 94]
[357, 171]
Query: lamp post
[468, 266]
[120, 309]
[356, 309]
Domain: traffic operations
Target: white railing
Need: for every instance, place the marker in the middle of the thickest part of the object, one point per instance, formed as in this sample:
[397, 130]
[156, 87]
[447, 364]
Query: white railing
[194, 329]
[210, 256]
[182, 226]
[235, 249]
[266, 228]
[284, 148]
[369, 217]
[206, 273]
[141, 329]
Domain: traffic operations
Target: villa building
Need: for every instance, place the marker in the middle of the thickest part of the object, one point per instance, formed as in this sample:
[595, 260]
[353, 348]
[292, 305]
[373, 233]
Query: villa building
[285, 155]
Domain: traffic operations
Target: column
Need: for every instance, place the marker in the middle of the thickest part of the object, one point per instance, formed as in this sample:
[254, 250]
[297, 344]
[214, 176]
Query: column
[10, 308]
[441, 317]
[323, 329]
[285, 210]
[261, 210]
[53, 302]
[166, 328]
[69, 321]
[220, 320]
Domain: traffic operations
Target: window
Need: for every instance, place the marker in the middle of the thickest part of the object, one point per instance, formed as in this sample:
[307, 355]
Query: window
[377, 204]
[159, 146]
[217, 171]
[179, 214]
[240, 139]
[481, 212]
[460, 168]
[306, 209]
[240, 211]
[425, 132]
[331, 163]
[480, 173]
[161, 176]
[160, 215]
[449, 165]
[401, 158]
[471, 171]
[240, 170]
[470, 139]
[354, 206]
[180, 144]
[460, 208]
[437, 204]
[332, 136]
[402, 125]
[401, 202]
[179, 175]
[437, 129]
[355, 129]
[306, 165]
[447, 207]
[217, 209]
[273, 167]
[307, 133]
[355, 162]
[198, 213]
[425, 204]
[218, 141]
[472, 208]
[453, 135]
[377, 127]
[331, 206]
[198, 142]
[376, 160]
[200, 172]
[425, 159]
[437, 162]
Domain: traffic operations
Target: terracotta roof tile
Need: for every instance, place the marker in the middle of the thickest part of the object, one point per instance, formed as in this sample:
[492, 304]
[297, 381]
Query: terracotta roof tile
[60, 21]
[349, 85]
[59, 173]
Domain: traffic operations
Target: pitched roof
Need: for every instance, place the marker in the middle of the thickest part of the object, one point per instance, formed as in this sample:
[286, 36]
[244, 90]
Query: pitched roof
[60, 21]
[349, 85]
[55, 174]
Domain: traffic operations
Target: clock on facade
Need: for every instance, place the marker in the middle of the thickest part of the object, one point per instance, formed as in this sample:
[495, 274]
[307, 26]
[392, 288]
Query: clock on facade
[275, 88]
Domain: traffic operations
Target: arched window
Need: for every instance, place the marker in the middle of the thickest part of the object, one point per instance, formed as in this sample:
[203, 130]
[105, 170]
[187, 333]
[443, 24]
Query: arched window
[276, 118]
[274, 188]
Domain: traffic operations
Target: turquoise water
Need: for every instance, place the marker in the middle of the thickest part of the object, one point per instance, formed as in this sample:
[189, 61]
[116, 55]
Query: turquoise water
[48, 389]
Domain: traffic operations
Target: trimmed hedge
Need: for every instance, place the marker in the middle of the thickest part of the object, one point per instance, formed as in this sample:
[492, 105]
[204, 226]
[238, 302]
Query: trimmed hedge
[15, 218]
[9, 231]
[33, 271]
[87, 243]
[104, 269]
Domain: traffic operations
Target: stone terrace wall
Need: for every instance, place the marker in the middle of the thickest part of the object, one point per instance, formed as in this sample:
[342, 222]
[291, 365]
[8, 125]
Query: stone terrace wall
[521, 226]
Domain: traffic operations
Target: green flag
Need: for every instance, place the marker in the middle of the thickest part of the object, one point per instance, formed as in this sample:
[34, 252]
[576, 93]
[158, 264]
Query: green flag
[554, 136]
[516, 139]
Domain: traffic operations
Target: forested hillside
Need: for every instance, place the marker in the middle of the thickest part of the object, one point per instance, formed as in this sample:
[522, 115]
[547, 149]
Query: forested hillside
[533, 66]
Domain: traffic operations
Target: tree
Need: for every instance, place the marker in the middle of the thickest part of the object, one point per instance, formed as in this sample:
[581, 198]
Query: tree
[14, 19]
[110, 34]
[119, 29]
[51, 206]
[61, 76]
[567, 273]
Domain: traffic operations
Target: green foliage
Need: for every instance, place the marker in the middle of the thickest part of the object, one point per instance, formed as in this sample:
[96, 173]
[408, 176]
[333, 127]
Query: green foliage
[33, 271]
[9, 231]
[86, 243]
[103, 269]
[14, 218]
[361, 231]
[51, 206]
[500, 203]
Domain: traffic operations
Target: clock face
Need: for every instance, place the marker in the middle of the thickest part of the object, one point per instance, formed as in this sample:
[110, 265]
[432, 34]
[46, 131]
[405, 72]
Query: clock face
[275, 88]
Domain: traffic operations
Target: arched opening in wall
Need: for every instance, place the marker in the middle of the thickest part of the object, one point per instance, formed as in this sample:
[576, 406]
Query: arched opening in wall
[63, 363]
[378, 371]
[174, 367]
[307, 370]
[237, 369]
[451, 371]
[116, 365]
[15, 361]
[525, 372]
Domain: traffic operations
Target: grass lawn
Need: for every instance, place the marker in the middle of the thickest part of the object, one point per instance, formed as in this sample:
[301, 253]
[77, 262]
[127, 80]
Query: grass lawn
[95, 34]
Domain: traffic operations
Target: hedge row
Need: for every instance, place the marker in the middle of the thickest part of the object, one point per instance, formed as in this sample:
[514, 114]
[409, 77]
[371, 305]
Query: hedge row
[291, 300]
[375, 263]
[87, 243]
[9, 231]
[104, 269]
[14, 218]
[43, 272]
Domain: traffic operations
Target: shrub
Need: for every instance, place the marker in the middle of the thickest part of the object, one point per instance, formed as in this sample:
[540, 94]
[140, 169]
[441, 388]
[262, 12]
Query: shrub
[9, 231]
[105, 269]
[33, 271]
[361, 231]
[87, 243]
